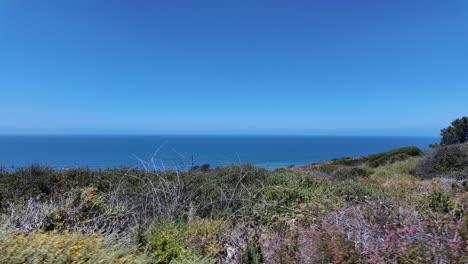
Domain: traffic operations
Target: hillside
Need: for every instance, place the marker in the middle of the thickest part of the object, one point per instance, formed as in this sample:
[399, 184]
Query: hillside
[401, 206]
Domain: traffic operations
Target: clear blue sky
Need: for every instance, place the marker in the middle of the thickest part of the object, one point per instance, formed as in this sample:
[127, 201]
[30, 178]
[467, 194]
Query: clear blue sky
[396, 67]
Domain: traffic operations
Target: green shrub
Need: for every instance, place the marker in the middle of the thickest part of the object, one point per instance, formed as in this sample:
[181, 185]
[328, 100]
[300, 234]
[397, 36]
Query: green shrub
[437, 201]
[357, 191]
[444, 161]
[392, 156]
[204, 168]
[167, 241]
[328, 167]
[253, 254]
[283, 195]
[350, 173]
[37, 181]
[54, 247]
[193, 259]
[380, 159]
[177, 241]
[449, 201]
[206, 236]
[463, 228]
[225, 191]
[347, 161]
[456, 133]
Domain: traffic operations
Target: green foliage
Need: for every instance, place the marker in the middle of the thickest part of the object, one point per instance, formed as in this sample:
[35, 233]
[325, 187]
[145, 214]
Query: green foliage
[347, 161]
[285, 196]
[290, 193]
[203, 167]
[53, 247]
[451, 160]
[449, 203]
[393, 156]
[437, 201]
[206, 236]
[380, 159]
[357, 191]
[193, 259]
[328, 167]
[177, 241]
[463, 228]
[456, 133]
[167, 242]
[253, 254]
[353, 172]
[223, 191]
[37, 181]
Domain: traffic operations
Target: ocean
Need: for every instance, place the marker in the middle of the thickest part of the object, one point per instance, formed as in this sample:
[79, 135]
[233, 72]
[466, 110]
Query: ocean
[181, 152]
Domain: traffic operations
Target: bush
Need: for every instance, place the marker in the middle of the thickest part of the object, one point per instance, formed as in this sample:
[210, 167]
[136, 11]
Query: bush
[53, 247]
[206, 236]
[380, 159]
[437, 201]
[456, 133]
[180, 242]
[36, 181]
[204, 168]
[80, 210]
[393, 156]
[167, 242]
[451, 161]
[345, 161]
[225, 190]
[350, 173]
[193, 260]
[356, 192]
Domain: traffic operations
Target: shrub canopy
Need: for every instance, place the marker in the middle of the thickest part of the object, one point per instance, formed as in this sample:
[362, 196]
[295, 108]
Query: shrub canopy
[445, 161]
[456, 133]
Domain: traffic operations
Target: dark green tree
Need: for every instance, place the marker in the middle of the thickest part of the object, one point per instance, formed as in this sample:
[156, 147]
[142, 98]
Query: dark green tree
[456, 133]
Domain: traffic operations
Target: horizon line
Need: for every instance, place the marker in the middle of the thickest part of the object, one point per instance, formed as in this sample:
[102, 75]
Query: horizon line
[213, 134]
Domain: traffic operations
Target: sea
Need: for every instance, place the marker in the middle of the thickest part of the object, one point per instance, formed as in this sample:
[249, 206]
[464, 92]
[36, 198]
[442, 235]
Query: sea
[183, 151]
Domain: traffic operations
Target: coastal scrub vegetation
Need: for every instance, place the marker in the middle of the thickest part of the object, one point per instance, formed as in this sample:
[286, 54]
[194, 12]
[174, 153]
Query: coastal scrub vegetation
[400, 206]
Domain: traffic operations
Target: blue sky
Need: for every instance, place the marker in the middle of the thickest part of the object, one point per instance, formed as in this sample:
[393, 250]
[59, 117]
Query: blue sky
[233, 67]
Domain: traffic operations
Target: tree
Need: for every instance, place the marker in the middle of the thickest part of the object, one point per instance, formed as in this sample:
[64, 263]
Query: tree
[456, 133]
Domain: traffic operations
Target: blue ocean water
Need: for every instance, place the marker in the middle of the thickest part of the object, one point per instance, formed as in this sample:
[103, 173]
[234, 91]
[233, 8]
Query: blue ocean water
[182, 151]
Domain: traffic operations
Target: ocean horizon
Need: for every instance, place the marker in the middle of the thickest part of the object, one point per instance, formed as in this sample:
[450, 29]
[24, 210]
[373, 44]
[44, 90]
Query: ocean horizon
[185, 151]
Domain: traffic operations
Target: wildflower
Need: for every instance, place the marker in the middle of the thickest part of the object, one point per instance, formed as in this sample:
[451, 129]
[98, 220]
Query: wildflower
[410, 230]
[455, 246]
